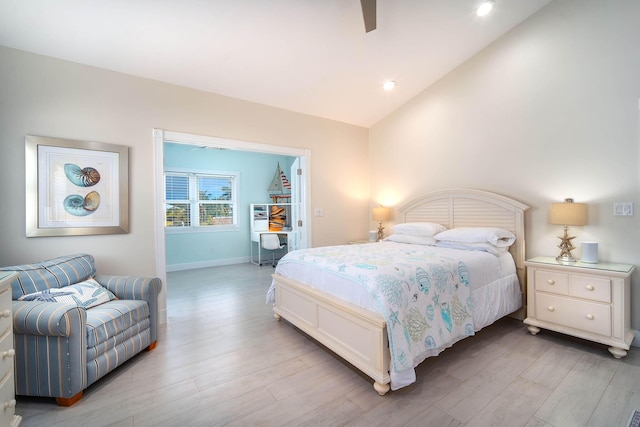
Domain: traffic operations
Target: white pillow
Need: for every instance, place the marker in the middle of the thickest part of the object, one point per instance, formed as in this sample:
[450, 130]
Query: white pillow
[496, 236]
[484, 247]
[84, 294]
[414, 240]
[429, 229]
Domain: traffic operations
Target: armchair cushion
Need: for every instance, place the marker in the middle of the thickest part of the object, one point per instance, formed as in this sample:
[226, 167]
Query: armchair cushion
[85, 294]
[54, 273]
[109, 321]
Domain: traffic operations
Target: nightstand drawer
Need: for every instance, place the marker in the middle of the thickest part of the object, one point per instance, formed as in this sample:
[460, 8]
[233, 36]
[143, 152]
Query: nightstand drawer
[7, 401]
[552, 281]
[6, 353]
[584, 315]
[594, 288]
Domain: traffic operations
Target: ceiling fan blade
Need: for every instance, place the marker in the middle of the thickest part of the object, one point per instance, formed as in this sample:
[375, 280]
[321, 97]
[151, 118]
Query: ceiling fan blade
[369, 14]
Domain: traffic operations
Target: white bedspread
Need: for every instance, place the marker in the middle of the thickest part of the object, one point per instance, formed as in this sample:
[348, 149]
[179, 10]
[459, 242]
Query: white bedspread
[431, 297]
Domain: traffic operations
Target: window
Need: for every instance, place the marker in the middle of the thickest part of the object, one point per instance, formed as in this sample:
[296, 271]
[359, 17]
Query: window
[206, 200]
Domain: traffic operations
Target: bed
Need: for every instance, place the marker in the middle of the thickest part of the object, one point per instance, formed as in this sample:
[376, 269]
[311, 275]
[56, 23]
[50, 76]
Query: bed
[367, 334]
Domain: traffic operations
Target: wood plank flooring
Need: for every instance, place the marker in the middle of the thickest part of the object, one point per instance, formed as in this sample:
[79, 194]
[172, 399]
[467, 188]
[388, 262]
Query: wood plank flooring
[222, 359]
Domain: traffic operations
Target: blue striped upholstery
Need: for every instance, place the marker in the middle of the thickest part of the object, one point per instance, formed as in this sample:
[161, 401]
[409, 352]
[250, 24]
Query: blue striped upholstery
[49, 349]
[113, 318]
[55, 273]
[116, 356]
[137, 288]
[61, 349]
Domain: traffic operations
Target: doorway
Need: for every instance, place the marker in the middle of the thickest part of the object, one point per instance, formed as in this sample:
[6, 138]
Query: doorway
[300, 184]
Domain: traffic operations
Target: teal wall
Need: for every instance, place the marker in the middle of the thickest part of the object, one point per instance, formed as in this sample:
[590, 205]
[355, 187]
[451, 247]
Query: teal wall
[256, 172]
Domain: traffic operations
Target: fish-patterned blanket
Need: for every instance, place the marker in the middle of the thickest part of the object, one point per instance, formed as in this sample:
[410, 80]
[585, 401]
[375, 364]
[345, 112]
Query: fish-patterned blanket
[424, 297]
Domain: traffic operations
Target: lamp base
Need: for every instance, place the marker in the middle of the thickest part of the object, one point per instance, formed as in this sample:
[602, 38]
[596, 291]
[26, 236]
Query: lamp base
[380, 233]
[566, 259]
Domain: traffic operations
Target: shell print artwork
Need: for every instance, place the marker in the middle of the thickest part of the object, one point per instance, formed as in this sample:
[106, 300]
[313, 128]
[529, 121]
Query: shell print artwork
[85, 177]
[77, 205]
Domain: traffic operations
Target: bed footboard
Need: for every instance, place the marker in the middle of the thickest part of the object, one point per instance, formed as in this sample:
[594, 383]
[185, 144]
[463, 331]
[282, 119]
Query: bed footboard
[359, 336]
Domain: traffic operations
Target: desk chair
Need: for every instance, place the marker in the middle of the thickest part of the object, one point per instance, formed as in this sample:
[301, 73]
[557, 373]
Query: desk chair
[271, 242]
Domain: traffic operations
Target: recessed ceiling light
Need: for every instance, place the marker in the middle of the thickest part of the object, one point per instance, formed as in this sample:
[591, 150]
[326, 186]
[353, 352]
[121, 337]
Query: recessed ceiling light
[388, 85]
[485, 7]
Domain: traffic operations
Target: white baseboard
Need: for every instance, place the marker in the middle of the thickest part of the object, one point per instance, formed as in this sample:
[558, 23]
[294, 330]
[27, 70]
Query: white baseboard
[205, 264]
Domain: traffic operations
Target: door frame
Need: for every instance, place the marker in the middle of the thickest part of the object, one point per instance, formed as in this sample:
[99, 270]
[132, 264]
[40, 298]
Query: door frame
[162, 135]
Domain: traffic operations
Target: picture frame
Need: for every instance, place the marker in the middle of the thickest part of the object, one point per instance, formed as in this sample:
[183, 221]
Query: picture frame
[76, 188]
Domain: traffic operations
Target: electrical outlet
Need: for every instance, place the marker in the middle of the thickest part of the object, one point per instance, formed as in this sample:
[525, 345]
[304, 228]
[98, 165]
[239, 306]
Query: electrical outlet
[623, 209]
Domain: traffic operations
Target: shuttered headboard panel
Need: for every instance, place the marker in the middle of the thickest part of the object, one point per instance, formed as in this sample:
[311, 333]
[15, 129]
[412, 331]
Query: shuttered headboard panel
[461, 207]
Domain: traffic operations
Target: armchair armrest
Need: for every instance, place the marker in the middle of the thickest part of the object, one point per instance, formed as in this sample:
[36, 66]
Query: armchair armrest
[136, 288]
[50, 339]
[48, 318]
[131, 287]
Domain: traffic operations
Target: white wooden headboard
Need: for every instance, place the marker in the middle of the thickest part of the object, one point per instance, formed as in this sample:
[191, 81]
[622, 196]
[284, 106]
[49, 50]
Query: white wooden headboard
[459, 207]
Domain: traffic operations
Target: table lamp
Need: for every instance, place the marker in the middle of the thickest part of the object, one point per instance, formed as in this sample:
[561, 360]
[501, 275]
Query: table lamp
[566, 214]
[381, 214]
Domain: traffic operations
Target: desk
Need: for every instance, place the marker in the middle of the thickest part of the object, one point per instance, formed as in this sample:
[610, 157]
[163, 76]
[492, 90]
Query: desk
[256, 239]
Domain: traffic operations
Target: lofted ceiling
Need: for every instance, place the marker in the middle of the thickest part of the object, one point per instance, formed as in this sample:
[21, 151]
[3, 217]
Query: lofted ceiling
[308, 56]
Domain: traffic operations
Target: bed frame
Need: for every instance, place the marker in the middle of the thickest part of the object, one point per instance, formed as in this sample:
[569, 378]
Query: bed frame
[360, 336]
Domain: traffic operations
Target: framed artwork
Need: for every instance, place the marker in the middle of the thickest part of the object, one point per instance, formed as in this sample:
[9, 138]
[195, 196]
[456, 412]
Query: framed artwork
[76, 188]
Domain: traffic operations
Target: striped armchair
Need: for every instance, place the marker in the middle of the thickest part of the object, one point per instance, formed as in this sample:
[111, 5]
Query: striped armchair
[63, 348]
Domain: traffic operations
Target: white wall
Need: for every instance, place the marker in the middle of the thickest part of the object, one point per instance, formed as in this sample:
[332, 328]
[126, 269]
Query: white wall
[548, 111]
[50, 97]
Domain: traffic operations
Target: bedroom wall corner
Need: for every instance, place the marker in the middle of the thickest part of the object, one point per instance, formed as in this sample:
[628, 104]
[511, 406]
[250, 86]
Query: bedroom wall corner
[548, 111]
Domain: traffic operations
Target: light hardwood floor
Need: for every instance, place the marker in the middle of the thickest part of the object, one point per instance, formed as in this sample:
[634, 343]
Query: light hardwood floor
[223, 359]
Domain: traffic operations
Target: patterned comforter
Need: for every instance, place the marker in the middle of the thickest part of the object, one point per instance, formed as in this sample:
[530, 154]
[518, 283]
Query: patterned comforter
[425, 298]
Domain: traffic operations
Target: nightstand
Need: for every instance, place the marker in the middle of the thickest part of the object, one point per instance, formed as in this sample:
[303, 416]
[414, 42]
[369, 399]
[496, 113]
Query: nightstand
[589, 301]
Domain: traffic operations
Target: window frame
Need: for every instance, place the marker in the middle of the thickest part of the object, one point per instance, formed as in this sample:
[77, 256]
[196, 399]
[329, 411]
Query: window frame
[195, 202]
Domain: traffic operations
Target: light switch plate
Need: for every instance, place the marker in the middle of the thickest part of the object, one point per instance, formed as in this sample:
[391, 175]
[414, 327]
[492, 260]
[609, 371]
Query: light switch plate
[623, 209]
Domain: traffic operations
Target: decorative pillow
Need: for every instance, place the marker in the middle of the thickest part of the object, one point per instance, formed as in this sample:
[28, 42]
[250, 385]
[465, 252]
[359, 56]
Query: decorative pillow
[84, 294]
[496, 236]
[429, 229]
[484, 247]
[415, 240]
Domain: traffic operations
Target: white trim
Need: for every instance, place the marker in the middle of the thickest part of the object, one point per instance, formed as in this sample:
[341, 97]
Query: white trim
[158, 183]
[231, 144]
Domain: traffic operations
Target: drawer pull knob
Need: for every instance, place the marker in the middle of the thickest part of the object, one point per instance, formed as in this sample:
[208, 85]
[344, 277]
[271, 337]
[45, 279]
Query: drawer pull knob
[551, 282]
[590, 287]
[590, 316]
[8, 353]
[10, 404]
[551, 308]
[5, 313]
